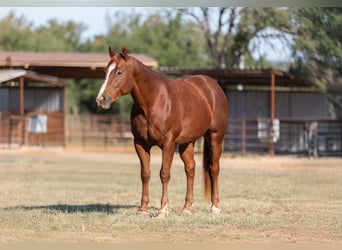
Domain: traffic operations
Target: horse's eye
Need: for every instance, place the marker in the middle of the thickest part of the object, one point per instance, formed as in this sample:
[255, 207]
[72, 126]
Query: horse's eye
[118, 72]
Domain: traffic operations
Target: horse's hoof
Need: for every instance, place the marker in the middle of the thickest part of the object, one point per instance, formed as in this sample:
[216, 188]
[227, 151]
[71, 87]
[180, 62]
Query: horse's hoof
[215, 210]
[163, 213]
[142, 212]
[186, 211]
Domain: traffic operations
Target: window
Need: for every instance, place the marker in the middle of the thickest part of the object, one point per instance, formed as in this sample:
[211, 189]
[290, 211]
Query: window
[37, 124]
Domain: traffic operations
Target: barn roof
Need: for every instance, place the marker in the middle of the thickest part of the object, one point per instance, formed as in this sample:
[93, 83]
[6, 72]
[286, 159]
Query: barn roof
[65, 65]
[13, 74]
[232, 76]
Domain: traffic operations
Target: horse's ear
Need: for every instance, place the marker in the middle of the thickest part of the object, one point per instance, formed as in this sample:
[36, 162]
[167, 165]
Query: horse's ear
[124, 51]
[111, 52]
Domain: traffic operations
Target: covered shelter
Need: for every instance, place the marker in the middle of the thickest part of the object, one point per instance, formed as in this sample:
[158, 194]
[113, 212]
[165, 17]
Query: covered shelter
[269, 110]
[65, 65]
[32, 108]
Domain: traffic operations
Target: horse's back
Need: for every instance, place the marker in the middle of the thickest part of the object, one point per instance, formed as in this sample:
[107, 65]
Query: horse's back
[209, 88]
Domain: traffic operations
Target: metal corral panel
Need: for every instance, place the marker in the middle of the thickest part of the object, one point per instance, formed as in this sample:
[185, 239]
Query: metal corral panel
[47, 99]
[4, 99]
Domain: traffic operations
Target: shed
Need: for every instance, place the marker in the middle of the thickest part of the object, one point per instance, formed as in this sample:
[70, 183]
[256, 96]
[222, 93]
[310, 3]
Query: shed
[269, 110]
[65, 65]
[32, 109]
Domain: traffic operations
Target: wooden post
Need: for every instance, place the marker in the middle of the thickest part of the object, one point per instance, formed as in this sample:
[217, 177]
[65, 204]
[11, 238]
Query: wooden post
[64, 116]
[272, 115]
[21, 112]
[243, 136]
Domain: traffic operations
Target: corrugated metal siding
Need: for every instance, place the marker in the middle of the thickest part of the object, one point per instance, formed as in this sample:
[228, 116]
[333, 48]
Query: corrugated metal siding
[3, 99]
[307, 104]
[48, 99]
[248, 104]
[9, 74]
[256, 104]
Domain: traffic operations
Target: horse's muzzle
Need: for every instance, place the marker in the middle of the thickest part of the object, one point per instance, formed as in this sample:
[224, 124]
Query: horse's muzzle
[104, 102]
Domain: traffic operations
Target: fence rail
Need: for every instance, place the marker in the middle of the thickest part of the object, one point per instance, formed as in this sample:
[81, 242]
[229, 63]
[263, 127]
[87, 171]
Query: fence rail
[286, 136]
[291, 136]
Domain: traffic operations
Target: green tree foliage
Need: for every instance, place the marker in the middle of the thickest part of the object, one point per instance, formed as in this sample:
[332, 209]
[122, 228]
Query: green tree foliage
[55, 36]
[167, 39]
[317, 46]
[318, 50]
[14, 33]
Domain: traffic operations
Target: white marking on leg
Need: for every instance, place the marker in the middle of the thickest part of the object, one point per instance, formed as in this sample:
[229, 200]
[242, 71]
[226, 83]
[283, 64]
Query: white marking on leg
[104, 85]
[164, 212]
[215, 210]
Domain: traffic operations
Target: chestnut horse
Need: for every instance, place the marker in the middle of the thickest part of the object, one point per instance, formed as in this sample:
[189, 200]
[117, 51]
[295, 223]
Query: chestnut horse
[167, 113]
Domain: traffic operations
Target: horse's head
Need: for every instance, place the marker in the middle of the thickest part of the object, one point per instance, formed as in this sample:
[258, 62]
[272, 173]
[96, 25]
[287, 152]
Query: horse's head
[118, 79]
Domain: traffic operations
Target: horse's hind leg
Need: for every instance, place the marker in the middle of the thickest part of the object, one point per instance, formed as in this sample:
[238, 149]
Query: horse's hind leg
[187, 155]
[216, 140]
[143, 153]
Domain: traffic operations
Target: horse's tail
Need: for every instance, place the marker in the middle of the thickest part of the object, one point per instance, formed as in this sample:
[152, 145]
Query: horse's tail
[206, 170]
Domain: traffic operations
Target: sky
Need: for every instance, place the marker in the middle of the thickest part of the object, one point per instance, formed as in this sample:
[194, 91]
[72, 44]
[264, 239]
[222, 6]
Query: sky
[94, 19]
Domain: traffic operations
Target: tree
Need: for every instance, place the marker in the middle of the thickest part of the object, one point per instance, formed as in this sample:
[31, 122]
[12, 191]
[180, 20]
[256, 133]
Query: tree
[318, 50]
[229, 31]
[160, 35]
[59, 36]
[15, 33]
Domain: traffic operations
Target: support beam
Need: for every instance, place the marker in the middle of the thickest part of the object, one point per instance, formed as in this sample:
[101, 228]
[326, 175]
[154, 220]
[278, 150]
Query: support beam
[272, 114]
[21, 112]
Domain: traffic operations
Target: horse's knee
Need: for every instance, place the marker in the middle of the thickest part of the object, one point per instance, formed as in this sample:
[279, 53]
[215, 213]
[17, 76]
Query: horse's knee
[145, 176]
[164, 176]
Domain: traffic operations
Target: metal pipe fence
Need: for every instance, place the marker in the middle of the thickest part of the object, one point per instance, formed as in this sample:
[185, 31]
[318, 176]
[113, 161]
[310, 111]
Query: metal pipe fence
[260, 135]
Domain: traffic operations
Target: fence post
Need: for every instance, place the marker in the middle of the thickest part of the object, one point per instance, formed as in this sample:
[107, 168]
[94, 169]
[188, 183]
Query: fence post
[243, 136]
[83, 139]
[105, 139]
[272, 115]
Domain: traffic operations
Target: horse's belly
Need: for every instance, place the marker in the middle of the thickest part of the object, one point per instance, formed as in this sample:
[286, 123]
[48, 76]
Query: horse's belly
[194, 128]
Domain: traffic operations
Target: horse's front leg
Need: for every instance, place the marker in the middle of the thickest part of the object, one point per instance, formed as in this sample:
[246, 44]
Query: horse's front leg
[168, 151]
[143, 152]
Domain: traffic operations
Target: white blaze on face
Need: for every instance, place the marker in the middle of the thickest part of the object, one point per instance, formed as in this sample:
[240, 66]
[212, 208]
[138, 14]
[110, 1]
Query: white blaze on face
[104, 84]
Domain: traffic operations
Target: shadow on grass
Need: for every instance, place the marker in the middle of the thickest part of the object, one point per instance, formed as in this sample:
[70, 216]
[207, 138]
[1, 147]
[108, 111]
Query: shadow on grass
[88, 208]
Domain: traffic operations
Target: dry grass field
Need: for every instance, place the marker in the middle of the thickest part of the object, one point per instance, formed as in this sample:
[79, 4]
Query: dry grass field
[88, 197]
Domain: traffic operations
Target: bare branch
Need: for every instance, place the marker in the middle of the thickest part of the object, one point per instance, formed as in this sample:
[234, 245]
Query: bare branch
[219, 25]
[227, 37]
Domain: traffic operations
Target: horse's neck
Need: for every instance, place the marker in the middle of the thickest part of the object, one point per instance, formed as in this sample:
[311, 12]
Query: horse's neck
[146, 89]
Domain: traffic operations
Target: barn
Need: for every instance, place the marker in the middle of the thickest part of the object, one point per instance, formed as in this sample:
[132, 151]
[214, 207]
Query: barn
[33, 99]
[271, 110]
[32, 109]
